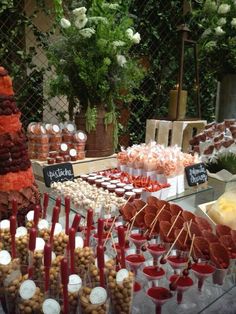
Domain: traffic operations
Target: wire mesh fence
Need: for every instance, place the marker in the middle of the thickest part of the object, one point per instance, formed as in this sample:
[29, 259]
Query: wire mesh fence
[26, 27]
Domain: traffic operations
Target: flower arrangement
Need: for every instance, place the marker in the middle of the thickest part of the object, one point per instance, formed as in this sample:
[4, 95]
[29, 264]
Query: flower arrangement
[92, 59]
[217, 22]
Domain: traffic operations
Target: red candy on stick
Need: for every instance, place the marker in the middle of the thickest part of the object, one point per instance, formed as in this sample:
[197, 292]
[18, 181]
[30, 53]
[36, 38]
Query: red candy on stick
[100, 230]
[36, 215]
[89, 225]
[101, 264]
[67, 212]
[58, 202]
[45, 204]
[65, 281]
[14, 207]
[47, 264]
[121, 239]
[55, 217]
[76, 221]
[72, 249]
[32, 243]
[13, 232]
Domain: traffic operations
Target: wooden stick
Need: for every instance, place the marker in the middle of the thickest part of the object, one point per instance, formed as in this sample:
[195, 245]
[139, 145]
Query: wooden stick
[191, 247]
[173, 224]
[110, 230]
[127, 201]
[155, 219]
[114, 247]
[136, 214]
[158, 214]
[176, 239]
[188, 232]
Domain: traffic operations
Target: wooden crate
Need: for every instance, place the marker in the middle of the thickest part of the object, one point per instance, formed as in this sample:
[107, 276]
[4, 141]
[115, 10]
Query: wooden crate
[173, 132]
[86, 165]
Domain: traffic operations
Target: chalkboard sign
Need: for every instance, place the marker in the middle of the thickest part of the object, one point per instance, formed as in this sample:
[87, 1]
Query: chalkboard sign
[58, 173]
[196, 174]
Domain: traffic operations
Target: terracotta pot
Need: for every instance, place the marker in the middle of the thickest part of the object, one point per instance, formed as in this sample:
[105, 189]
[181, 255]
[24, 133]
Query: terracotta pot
[99, 142]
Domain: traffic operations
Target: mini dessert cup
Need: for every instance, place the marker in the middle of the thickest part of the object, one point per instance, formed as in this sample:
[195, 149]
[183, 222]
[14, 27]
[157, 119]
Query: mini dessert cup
[5, 235]
[30, 298]
[93, 299]
[120, 286]
[11, 286]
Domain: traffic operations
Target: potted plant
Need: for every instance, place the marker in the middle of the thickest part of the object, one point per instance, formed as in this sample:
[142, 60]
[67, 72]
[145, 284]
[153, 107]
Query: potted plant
[216, 22]
[94, 68]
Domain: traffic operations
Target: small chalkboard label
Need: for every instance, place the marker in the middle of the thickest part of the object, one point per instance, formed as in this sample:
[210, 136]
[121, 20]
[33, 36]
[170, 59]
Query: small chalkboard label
[196, 174]
[58, 173]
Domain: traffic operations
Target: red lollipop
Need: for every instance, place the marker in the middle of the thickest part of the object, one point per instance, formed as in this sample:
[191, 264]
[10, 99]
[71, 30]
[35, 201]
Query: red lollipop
[67, 213]
[55, 217]
[36, 215]
[13, 232]
[14, 207]
[100, 230]
[101, 264]
[89, 225]
[76, 221]
[32, 243]
[72, 249]
[121, 239]
[65, 281]
[45, 204]
[47, 264]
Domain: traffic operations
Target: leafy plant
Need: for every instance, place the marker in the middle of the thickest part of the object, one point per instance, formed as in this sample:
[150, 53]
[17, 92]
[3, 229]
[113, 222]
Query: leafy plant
[216, 21]
[92, 59]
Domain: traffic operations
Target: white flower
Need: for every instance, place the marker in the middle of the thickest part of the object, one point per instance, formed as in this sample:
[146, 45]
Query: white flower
[87, 32]
[136, 38]
[97, 19]
[121, 60]
[219, 31]
[112, 6]
[221, 21]
[224, 8]
[79, 11]
[130, 33]
[81, 21]
[206, 33]
[233, 22]
[118, 43]
[65, 23]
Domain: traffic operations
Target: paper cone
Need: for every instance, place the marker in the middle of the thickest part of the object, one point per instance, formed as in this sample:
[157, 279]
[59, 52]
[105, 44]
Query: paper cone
[152, 201]
[179, 222]
[194, 229]
[164, 216]
[164, 229]
[139, 220]
[139, 204]
[175, 209]
[222, 230]
[182, 243]
[210, 237]
[229, 244]
[219, 255]
[148, 219]
[233, 234]
[203, 224]
[128, 211]
[188, 215]
[201, 248]
[150, 210]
